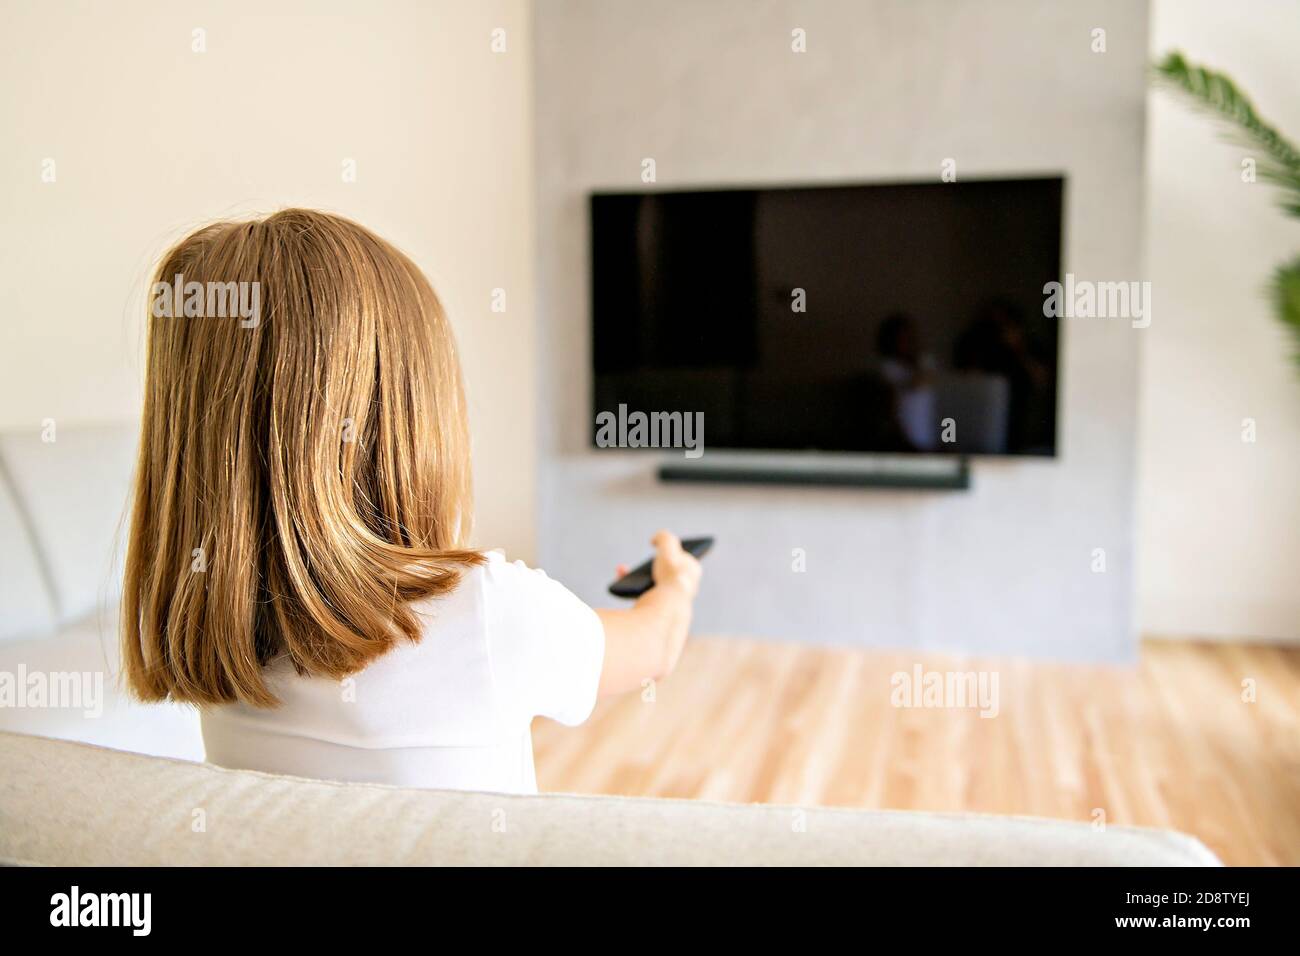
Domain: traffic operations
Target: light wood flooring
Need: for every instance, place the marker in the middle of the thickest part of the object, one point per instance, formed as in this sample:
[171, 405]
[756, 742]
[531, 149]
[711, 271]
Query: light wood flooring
[1166, 743]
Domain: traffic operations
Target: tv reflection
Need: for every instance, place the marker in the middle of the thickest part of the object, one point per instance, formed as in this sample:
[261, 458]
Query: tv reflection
[994, 396]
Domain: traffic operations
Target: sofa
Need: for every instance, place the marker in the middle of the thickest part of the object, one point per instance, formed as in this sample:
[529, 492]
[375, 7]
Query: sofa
[71, 804]
[111, 781]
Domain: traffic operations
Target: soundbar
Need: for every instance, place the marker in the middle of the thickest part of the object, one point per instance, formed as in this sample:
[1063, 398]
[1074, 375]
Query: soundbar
[942, 474]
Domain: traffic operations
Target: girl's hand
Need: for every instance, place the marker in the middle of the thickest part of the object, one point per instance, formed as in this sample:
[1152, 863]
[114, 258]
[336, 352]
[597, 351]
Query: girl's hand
[646, 639]
[673, 566]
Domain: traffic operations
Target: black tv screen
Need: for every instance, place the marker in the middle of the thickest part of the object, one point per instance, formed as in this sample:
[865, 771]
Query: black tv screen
[871, 318]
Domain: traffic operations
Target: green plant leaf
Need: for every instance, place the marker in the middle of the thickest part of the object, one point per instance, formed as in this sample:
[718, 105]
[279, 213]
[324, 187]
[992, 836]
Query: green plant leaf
[1285, 292]
[1216, 93]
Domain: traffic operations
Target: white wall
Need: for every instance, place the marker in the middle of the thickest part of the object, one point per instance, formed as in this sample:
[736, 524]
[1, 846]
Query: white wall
[1220, 517]
[149, 139]
[887, 89]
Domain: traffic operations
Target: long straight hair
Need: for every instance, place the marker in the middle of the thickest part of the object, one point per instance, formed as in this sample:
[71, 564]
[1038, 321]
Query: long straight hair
[304, 471]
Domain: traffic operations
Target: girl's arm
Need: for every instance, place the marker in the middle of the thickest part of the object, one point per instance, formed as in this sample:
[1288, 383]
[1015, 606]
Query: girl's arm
[645, 640]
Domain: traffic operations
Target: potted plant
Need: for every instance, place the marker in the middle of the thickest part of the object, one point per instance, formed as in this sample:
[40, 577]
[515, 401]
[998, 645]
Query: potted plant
[1278, 162]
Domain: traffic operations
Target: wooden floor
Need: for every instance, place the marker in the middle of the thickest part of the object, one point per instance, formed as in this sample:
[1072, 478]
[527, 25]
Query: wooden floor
[1167, 743]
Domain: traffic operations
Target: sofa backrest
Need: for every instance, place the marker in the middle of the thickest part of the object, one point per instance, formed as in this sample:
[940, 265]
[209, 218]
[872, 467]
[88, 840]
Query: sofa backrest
[71, 804]
[26, 604]
[62, 508]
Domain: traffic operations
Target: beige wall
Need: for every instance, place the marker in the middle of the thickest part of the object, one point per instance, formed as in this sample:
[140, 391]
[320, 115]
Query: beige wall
[150, 138]
[1219, 517]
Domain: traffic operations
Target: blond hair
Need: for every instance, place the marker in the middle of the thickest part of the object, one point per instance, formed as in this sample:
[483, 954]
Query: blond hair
[302, 477]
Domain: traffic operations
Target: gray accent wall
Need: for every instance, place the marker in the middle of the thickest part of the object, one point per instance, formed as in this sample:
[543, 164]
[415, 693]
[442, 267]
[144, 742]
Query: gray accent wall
[886, 90]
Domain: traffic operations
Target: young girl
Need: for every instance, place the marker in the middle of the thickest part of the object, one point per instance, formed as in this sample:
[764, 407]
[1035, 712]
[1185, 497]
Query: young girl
[298, 565]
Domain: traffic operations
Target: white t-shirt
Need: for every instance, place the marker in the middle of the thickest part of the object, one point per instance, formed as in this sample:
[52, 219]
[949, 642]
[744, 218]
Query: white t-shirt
[450, 712]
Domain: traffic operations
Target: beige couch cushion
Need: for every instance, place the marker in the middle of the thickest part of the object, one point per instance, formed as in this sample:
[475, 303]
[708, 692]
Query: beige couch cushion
[74, 492]
[26, 604]
[65, 803]
[90, 649]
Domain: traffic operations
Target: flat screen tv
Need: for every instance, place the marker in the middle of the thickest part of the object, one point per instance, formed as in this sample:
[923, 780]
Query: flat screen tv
[902, 317]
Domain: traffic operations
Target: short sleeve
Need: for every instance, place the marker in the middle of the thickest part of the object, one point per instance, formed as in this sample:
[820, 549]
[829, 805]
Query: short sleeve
[546, 646]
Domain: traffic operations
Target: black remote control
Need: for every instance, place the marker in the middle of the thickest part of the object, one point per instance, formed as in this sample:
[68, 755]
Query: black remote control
[639, 580]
